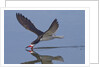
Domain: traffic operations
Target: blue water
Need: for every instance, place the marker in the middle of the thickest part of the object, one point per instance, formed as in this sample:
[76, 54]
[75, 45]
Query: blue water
[69, 50]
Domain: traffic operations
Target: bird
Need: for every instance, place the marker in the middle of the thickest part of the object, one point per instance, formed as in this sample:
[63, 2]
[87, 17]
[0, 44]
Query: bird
[41, 36]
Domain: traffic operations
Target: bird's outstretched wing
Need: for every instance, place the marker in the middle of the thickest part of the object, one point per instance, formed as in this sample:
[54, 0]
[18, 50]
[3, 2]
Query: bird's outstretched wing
[27, 24]
[52, 29]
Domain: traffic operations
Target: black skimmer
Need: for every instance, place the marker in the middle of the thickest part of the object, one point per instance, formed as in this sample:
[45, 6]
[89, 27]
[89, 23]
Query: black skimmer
[44, 59]
[42, 36]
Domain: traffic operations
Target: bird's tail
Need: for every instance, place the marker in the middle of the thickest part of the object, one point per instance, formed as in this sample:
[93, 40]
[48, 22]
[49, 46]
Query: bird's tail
[58, 58]
[60, 37]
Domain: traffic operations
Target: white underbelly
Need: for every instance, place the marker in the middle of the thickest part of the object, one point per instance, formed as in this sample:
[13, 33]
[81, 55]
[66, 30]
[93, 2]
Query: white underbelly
[46, 38]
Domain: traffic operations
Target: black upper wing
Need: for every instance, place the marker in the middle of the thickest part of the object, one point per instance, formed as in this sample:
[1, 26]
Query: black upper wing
[52, 29]
[27, 24]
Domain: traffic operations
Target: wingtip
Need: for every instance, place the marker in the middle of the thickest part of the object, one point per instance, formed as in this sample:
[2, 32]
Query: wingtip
[18, 14]
[55, 19]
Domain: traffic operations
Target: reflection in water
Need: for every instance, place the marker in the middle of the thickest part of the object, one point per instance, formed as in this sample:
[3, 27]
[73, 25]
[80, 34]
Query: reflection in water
[44, 59]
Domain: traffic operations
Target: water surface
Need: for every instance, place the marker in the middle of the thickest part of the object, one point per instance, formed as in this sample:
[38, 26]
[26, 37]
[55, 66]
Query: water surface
[69, 50]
